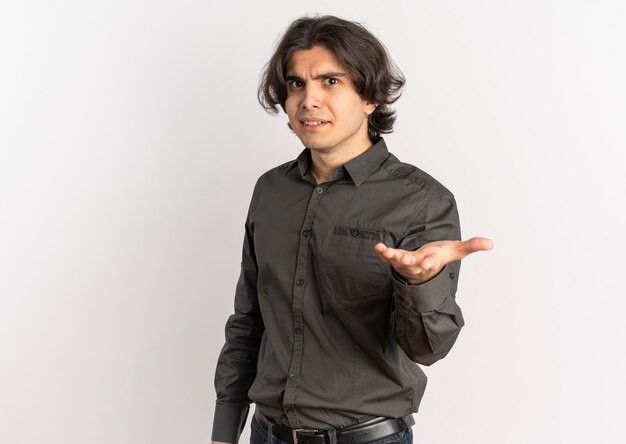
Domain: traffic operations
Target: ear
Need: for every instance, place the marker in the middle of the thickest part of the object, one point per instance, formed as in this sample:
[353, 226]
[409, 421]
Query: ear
[370, 107]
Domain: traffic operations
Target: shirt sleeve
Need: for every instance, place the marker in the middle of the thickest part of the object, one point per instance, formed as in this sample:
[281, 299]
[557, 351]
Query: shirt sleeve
[237, 363]
[426, 318]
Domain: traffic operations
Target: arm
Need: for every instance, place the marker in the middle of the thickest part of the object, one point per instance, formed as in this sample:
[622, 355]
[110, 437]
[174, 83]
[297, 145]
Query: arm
[236, 366]
[426, 317]
[426, 264]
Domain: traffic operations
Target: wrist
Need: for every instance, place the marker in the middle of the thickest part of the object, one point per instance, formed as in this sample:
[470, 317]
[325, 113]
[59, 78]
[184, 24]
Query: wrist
[418, 281]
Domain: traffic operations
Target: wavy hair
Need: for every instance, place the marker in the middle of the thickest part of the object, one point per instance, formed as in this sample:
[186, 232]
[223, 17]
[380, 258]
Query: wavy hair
[376, 78]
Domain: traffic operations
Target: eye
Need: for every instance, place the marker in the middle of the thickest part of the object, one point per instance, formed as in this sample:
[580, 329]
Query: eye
[295, 84]
[331, 81]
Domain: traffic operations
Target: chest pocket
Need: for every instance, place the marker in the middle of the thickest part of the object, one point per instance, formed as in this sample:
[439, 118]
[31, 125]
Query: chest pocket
[354, 275]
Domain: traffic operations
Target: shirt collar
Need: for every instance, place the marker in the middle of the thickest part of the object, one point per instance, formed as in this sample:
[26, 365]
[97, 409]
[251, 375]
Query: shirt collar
[358, 168]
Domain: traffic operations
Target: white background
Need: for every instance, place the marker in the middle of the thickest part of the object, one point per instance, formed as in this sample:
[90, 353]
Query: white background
[131, 139]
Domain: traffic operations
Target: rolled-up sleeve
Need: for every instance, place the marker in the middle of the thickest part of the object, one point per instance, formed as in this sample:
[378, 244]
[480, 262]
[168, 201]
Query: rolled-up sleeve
[426, 317]
[237, 363]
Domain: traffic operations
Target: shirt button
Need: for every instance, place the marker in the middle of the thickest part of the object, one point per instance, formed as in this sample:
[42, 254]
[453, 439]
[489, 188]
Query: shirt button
[299, 282]
[306, 233]
[292, 376]
[298, 330]
[451, 275]
[319, 190]
[354, 232]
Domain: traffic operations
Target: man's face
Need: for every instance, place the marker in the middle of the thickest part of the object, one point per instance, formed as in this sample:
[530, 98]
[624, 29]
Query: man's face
[324, 109]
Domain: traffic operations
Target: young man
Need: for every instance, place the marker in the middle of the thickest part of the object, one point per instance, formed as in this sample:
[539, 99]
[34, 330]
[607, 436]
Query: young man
[350, 259]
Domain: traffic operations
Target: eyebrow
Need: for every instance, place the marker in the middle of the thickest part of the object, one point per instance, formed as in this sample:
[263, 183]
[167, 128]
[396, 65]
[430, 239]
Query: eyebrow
[324, 75]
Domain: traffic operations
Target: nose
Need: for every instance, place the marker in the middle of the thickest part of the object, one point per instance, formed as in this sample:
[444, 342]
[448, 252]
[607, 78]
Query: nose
[311, 98]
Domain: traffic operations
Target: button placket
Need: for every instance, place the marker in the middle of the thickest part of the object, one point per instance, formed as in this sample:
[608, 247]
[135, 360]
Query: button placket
[298, 303]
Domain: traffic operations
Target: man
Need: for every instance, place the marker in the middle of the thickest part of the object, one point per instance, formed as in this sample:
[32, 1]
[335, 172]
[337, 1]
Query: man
[350, 258]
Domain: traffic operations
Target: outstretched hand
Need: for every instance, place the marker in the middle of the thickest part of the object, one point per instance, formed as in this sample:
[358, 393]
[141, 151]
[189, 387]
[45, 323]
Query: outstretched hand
[426, 262]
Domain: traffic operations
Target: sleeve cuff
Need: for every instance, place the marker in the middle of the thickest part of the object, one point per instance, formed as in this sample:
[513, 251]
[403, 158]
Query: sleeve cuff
[228, 422]
[427, 296]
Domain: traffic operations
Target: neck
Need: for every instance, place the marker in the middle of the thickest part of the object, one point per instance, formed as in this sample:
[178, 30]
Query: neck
[324, 163]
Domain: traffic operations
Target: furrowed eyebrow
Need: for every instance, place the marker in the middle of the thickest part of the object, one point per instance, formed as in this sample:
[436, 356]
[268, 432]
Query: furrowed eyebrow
[325, 75]
[329, 75]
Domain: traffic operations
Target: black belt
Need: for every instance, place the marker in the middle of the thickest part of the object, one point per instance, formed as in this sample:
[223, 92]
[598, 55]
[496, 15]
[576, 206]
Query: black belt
[371, 430]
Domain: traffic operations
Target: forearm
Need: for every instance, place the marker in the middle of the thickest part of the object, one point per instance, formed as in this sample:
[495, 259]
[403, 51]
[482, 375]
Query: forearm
[426, 317]
[228, 422]
[236, 367]
[234, 374]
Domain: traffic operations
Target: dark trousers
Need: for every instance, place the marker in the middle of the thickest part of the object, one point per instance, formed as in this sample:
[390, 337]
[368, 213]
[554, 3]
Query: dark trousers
[258, 435]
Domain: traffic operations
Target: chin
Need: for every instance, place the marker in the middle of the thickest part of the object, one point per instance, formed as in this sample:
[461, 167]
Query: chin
[313, 144]
[317, 146]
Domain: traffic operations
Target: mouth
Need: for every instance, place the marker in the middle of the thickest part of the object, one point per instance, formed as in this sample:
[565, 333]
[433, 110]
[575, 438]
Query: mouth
[312, 125]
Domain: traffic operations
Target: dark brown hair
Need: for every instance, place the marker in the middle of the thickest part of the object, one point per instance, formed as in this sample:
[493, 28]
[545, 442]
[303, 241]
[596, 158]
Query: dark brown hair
[375, 77]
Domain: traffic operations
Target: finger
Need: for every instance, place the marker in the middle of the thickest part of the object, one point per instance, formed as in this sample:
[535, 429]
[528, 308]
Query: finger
[457, 250]
[388, 253]
[380, 248]
[396, 257]
[401, 259]
[407, 259]
[480, 243]
[428, 263]
[473, 245]
[408, 263]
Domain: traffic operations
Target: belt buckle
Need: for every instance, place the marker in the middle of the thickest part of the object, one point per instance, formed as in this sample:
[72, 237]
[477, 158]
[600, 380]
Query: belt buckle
[294, 433]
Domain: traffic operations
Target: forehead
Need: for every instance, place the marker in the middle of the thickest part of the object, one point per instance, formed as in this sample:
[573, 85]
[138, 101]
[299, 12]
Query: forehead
[314, 60]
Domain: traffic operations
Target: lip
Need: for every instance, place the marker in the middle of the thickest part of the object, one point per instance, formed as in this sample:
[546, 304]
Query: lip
[313, 119]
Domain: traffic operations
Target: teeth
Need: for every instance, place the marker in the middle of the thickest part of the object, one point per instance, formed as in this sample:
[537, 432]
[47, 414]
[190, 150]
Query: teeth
[314, 123]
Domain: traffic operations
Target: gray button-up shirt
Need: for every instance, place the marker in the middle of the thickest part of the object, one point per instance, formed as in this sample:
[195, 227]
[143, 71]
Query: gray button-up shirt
[325, 334]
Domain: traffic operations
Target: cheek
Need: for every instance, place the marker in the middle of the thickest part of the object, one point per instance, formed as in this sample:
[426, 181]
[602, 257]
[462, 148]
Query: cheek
[289, 104]
[291, 108]
[356, 115]
[353, 110]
